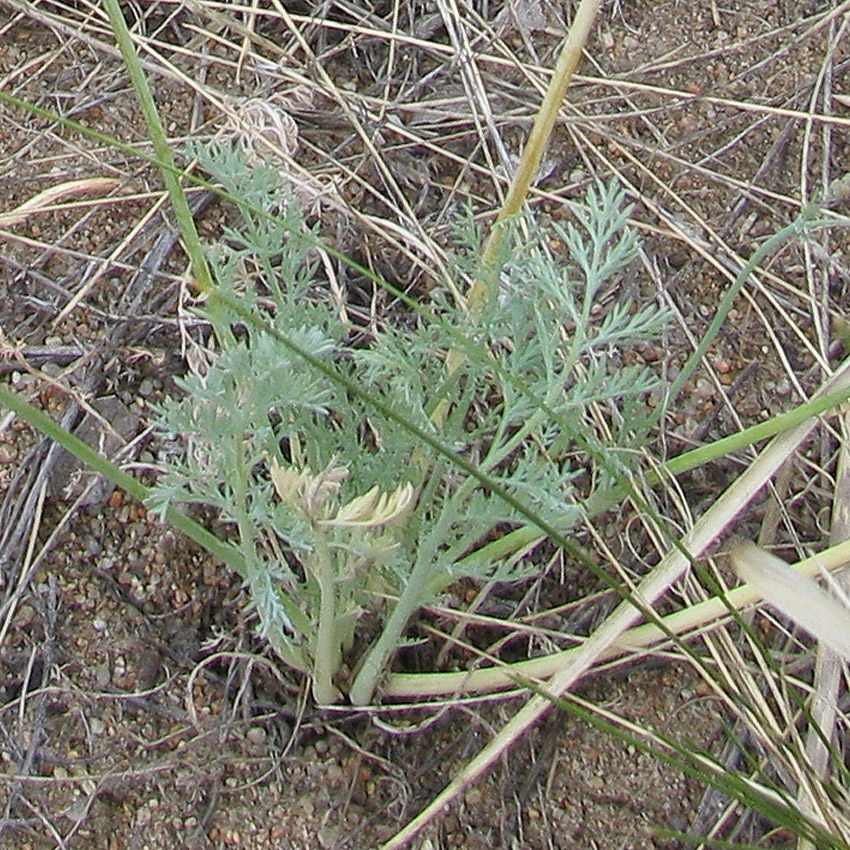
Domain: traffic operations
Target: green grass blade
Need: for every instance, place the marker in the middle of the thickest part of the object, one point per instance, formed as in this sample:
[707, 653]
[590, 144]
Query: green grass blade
[46, 426]
[161, 146]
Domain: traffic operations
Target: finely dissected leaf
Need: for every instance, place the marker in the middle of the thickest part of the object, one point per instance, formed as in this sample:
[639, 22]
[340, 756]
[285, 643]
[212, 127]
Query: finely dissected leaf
[356, 505]
[312, 494]
[374, 509]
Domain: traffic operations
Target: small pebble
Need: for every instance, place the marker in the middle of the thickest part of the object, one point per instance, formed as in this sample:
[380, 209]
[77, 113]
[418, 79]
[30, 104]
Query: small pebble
[257, 735]
[25, 617]
[474, 797]
[92, 545]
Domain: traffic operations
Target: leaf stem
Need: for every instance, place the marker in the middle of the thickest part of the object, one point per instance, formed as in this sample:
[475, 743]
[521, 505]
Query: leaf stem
[326, 657]
[413, 596]
[689, 622]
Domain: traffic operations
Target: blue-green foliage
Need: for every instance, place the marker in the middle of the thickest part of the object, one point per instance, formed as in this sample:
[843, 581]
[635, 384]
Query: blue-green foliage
[516, 405]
